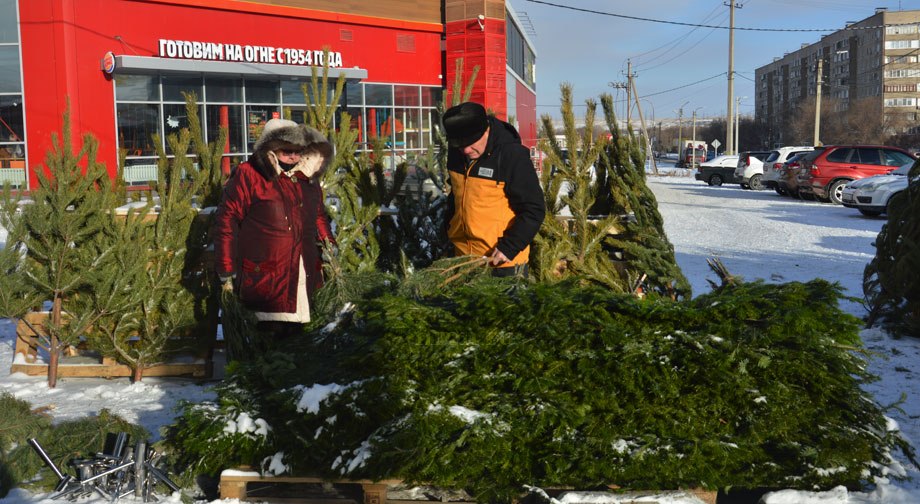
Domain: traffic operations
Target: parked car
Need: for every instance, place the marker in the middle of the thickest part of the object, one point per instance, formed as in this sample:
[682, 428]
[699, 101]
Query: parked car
[871, 195]
[717, 170]
[749, 169]
[828, 169]
[787, 182]
[774, 163]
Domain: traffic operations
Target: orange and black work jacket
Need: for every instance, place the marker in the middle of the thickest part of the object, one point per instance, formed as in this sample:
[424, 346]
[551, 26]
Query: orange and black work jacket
[497, 201]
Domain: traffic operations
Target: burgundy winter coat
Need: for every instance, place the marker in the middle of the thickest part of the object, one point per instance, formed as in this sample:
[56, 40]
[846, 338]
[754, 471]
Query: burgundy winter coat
[263, 225]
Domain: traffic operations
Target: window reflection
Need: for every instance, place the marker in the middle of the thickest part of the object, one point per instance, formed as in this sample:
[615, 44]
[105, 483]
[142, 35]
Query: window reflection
[9, 31]
[261, 91]
[256, 117]
[224, 90]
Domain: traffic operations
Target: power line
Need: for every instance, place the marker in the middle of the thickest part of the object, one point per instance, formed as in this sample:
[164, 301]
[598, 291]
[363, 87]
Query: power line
[685, 85]
[663, 21]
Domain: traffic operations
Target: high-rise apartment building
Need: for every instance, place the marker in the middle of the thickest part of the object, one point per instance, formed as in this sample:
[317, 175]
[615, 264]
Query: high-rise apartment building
[876, 58]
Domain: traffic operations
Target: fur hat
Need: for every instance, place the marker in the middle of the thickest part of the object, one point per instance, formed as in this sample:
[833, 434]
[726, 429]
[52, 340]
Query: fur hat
[464, 124]
[279, 133]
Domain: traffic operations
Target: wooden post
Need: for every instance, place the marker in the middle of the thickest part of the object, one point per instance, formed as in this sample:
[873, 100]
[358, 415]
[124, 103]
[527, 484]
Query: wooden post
[232, 489]
[374, 493]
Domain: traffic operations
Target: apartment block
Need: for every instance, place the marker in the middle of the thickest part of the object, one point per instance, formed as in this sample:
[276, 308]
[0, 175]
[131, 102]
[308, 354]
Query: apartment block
[875, 58]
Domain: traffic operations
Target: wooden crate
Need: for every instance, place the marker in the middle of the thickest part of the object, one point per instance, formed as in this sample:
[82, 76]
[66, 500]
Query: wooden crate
[235, 485]
[79, 363]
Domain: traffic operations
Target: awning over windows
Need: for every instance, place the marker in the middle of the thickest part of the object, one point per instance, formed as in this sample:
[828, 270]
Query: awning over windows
[148, 64]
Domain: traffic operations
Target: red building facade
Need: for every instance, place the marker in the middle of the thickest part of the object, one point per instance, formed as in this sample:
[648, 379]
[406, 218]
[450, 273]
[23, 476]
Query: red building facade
[126, 66]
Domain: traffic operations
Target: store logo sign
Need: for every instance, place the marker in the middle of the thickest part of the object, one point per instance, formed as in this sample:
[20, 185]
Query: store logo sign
[108, 62]
[185, 49]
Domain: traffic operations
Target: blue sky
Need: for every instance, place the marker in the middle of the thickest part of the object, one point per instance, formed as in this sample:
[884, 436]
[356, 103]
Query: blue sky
[590, 50]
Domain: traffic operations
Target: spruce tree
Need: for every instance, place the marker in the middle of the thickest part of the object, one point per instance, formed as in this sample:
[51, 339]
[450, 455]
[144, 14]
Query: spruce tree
[890, 281]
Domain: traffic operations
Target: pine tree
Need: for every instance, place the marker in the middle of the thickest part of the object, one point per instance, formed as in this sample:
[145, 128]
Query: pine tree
[890, 281]
[62, 230]
[615, 236]
[646, 250]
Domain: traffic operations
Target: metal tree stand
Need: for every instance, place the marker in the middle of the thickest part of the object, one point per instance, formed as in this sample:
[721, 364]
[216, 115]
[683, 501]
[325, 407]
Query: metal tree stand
[126, 470]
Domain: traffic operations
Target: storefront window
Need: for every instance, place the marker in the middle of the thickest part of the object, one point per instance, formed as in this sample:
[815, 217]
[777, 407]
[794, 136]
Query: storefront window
[174, 86]
[137, 123]
[9, 31]
[406, 96]
[400, 115]
[261, 91]
[231, 117]
[137, 88]
[174, 120]
[224, 90]
[10, 79]
[406, 128]
[378, 94]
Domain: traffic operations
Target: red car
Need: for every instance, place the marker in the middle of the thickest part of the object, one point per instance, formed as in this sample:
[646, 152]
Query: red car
[827, 169]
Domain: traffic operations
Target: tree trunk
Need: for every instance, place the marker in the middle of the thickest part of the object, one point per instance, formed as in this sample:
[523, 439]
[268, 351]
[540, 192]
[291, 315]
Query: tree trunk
[54, 344]
[138, 372]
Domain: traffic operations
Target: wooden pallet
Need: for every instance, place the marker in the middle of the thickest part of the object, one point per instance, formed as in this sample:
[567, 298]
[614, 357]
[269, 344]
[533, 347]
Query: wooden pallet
[235, 485]
[78, 364]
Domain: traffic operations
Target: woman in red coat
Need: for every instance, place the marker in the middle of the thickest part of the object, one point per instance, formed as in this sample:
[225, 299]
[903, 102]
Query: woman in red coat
[270, 222]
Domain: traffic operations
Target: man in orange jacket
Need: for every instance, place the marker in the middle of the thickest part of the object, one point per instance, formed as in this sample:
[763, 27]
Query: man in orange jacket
[496, 205]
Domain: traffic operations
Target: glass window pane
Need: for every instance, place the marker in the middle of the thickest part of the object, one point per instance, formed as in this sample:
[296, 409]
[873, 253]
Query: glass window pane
[292, 92]
[378, 94]
[11, 113]
[10, 81]
[136, 88]
[839, 155]
[256, 117]
[9, 32]
[298, 114]
[353, 95]
[406, 127]
[231, 117]
[354, 122]
[137, 123]
[406, 96]
[258, 91]
[428, 116]
[173, 87]
[379, 122]
[897, 158]
[224, 90]
[175, 120]
[431, 96]
[869, 156]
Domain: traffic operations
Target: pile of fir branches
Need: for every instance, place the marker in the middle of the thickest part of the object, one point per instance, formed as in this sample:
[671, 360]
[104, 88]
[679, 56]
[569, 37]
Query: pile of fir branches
[65, 441]
[491, 384]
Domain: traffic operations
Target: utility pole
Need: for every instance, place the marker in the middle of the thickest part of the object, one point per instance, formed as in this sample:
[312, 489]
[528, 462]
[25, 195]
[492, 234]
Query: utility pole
[629, 87]
[818, 102]
[680, 141]
[648, 142]
[730, 147]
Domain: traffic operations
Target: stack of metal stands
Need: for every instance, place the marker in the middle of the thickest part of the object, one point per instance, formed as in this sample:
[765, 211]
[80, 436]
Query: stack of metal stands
[124, 470]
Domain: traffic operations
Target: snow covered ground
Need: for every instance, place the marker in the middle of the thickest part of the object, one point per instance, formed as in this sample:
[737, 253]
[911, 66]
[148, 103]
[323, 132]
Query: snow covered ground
[758, 235]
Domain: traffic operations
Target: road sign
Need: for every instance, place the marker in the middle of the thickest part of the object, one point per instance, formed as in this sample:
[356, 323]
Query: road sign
[716, 143]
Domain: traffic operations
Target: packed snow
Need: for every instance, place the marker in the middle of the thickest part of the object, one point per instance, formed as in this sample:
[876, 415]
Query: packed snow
[756, 234]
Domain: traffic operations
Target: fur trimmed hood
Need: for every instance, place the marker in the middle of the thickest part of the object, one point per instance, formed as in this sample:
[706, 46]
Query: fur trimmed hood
[278, 133]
